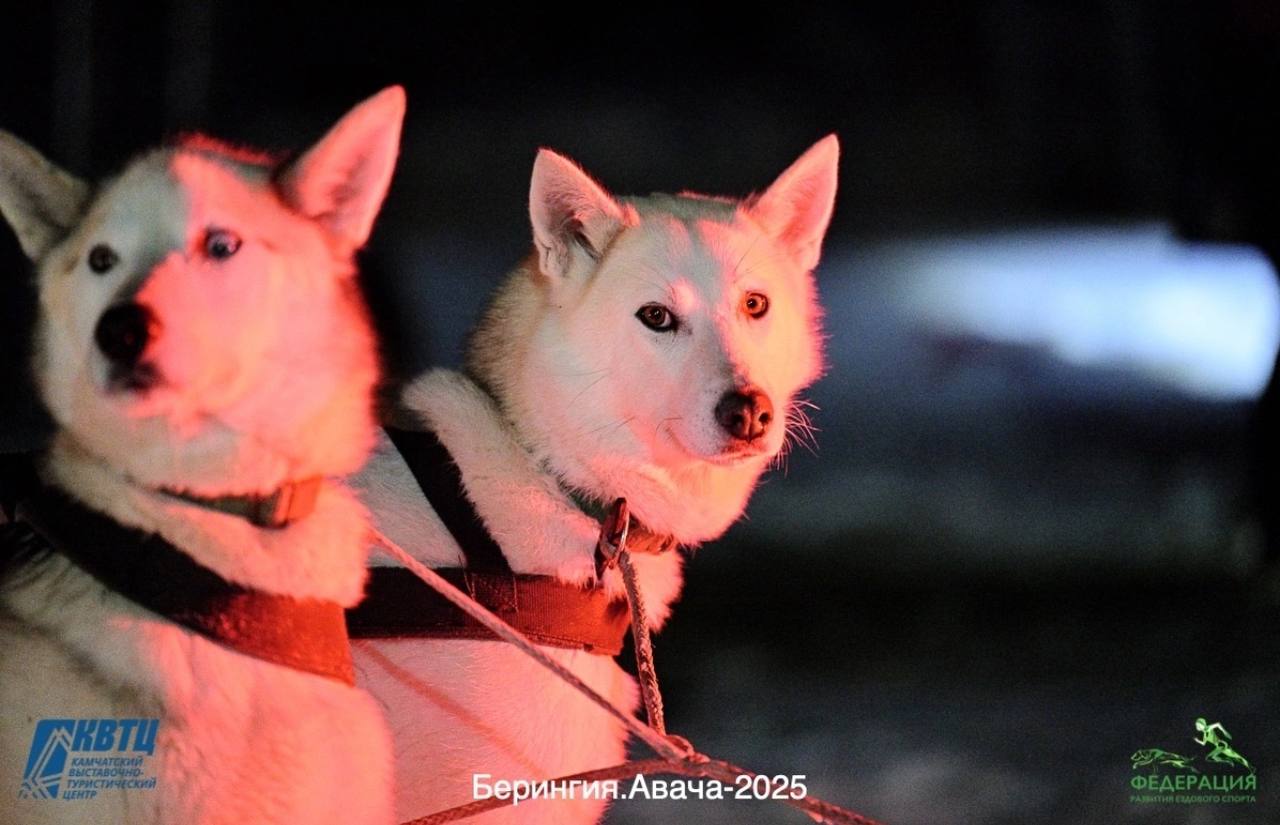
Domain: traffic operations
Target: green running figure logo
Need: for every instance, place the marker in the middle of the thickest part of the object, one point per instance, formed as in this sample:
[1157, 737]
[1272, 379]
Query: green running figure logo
[1165, 776]
[1222, 752]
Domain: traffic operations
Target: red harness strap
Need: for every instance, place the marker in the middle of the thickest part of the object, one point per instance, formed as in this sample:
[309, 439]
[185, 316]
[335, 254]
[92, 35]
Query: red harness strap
[398, 604]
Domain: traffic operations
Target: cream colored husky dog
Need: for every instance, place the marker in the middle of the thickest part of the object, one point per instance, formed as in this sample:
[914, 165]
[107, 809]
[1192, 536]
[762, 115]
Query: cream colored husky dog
[650, 348]
[207, 359]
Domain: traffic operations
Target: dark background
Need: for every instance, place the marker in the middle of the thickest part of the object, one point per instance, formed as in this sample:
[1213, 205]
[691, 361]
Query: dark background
[1002, 572]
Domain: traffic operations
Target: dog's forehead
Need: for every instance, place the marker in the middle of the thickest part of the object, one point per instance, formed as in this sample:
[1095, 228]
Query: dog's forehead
[169, 191]
[693, 239]
[214, 185]
[144, 200]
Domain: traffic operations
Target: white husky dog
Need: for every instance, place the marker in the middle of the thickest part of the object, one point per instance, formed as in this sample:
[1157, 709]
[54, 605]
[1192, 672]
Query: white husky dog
[207, 358]
[650, 348]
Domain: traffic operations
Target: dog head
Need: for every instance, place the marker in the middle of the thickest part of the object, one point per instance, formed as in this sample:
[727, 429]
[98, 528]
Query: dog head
[670, 338]
[199, 323]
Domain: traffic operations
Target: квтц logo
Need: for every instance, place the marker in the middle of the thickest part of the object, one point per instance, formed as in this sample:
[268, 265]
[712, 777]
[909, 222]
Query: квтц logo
[56, 771]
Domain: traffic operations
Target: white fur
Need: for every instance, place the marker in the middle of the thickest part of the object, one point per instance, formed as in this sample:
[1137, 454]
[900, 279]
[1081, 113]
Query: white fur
[586, 396]
[266, 365]
[240, 740]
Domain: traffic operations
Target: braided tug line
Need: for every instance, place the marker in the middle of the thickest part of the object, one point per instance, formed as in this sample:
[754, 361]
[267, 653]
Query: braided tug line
[677, 755]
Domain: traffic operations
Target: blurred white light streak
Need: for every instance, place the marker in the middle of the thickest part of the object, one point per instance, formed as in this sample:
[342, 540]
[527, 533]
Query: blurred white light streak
[1204, 318]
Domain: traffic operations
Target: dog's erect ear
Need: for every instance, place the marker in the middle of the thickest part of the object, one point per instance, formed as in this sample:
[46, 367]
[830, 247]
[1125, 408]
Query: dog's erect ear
[342, 180]
[797, 207]
[40, 201]
[568, 209]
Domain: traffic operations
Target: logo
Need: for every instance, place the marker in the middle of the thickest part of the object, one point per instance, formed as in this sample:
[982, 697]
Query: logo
[1217, 774]
[76, 758]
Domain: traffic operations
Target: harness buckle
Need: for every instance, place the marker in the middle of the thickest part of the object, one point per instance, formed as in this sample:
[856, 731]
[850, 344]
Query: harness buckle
[613, 536]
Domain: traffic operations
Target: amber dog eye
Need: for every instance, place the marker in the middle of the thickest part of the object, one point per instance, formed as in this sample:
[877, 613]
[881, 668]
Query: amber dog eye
[657, 318]
[102, 258]
[221, 244]
[755, 304]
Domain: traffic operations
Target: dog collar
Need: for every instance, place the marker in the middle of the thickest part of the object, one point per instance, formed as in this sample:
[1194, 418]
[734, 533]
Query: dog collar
[300, 633]
[280, 508]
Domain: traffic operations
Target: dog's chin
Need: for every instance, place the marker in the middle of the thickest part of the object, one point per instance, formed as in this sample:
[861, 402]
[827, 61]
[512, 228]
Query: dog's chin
[738, 453]
[733, 452]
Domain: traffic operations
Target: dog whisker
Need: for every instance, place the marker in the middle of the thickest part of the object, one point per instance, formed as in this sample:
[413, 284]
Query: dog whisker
[736, 274]
[584, 390]
[800, 428]
[764, 258]
[656, 285]
[664, 422]
[608, 428]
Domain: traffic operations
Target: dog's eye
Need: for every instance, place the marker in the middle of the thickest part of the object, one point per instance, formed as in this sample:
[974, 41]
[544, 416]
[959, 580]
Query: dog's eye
[656, 317]
[102, 258]
[221, 244]
[755, 304]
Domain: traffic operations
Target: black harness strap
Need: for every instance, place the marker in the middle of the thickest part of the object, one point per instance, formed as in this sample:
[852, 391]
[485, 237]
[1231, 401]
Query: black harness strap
[301, 633]
[441, 481]
[398, 604]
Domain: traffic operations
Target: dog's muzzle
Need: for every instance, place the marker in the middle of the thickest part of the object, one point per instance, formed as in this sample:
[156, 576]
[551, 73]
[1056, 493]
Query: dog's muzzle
[122, 335]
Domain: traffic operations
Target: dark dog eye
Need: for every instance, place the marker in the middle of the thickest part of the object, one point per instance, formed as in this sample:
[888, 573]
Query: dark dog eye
[221, 244]
[755, 304]
[102, 258]
[656, 317]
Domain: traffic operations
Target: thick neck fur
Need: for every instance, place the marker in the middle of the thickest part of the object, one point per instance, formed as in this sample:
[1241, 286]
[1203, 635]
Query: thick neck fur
[320, 556]
[694, 502]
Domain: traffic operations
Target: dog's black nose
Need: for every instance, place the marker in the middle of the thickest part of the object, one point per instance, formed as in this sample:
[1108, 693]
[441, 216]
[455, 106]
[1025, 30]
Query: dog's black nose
[745, 413]
[123, 332]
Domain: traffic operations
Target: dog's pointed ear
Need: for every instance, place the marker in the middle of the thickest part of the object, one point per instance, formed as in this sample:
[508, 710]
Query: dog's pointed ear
[797, 208]
[569, 211]
[40, 201]
[342, 180]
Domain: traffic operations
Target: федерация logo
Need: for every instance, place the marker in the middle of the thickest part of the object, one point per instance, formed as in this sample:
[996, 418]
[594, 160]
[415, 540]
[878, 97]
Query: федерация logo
[73, 759]
[1220, 775]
